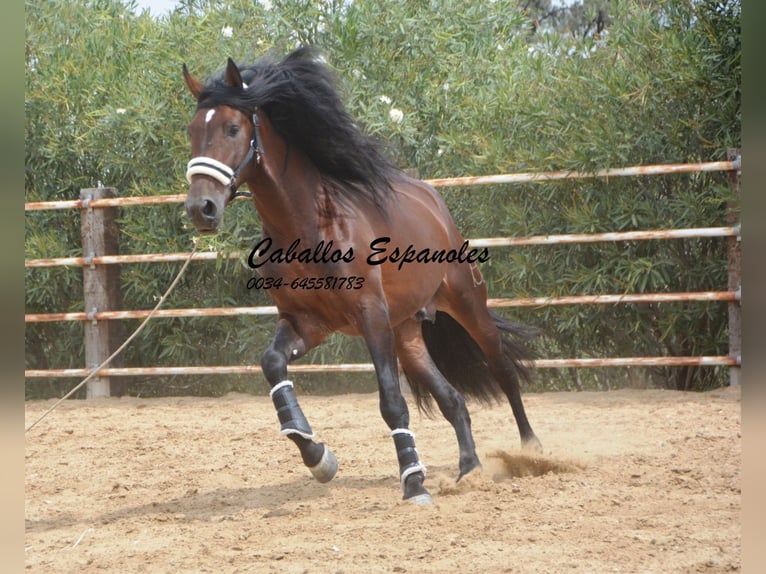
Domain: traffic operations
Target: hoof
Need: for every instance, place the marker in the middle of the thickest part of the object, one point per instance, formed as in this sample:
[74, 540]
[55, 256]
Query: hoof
[420, 499]
[326, 468]
[532, 444]
[414, 491]
[468, 466]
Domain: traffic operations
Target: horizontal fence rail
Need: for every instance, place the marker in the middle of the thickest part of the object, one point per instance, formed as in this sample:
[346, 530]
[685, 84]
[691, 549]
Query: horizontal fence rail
[481, 242]
[106, 202]
[537, 177]
[664, 169]
[496, 303]
[732, 296]
[369, 367]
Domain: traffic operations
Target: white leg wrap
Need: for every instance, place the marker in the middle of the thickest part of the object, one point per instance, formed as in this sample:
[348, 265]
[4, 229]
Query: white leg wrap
[306, 435]
[276, 387]
[412, 470]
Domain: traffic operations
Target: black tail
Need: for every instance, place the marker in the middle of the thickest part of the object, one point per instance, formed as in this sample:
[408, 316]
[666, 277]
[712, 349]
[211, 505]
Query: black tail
[463, 364]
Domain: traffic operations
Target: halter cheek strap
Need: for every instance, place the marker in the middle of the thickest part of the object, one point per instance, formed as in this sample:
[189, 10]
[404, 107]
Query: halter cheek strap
[203, 165]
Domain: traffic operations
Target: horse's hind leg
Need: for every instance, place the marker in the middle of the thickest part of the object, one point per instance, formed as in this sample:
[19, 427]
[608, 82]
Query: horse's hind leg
[422, 372]
[288, 345]
[468, 306]
[488, 336]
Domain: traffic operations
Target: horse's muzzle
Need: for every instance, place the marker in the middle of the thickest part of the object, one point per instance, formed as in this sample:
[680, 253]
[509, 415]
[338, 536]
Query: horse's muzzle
[205, 211]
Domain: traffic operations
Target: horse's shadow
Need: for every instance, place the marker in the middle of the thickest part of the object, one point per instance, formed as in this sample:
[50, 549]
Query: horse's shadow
[221, 504]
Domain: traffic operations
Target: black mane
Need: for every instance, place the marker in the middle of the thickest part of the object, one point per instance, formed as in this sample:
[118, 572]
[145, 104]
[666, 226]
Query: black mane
[299, 96]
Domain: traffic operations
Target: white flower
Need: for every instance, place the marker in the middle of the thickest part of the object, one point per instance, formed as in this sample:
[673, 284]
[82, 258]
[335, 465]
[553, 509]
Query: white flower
[227, 31]
[440, 152]
[385, 99]
[120, 110]
[396, 115]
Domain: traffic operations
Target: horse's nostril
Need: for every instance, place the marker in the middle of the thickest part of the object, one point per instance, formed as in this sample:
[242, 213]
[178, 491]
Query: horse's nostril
[208, 208]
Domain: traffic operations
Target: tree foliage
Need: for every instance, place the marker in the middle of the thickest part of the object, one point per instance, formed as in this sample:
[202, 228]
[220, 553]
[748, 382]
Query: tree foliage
[453, 88]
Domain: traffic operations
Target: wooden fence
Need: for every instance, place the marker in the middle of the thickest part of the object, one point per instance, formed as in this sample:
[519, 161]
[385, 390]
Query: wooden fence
[102, 303]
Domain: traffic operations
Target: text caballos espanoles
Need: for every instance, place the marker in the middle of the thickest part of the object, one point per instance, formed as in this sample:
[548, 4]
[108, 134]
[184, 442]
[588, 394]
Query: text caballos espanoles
[381, 252]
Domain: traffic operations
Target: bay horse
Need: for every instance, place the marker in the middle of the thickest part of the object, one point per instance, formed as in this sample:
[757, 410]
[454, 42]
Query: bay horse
[350, 244]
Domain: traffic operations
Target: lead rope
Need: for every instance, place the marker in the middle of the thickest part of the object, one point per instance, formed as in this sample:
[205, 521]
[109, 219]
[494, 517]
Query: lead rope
[125, 344]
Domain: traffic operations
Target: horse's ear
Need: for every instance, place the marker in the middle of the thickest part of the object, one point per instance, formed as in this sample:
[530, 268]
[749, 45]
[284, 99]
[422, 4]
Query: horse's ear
[195, 86]
[233, 77]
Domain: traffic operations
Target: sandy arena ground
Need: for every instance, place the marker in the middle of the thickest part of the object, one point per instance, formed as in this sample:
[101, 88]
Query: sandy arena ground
[630, 481]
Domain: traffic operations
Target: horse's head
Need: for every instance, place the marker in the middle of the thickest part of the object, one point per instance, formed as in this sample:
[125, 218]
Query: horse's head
[225, 145]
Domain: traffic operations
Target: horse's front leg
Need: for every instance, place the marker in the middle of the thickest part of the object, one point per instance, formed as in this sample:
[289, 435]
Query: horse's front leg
[286, 346]
[381, 343]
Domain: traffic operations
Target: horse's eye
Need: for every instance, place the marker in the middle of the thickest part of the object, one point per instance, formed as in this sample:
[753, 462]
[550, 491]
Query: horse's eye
[232, 130]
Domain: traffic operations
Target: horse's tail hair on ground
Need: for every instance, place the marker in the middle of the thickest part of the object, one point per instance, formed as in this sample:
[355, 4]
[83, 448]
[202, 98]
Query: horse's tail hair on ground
[464, 365]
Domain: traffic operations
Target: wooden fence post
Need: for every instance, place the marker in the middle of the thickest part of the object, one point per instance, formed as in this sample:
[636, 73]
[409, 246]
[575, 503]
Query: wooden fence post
[734, 253]
[101, 287]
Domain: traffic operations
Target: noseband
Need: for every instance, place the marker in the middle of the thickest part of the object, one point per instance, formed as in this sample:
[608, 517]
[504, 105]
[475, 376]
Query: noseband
[203, 165]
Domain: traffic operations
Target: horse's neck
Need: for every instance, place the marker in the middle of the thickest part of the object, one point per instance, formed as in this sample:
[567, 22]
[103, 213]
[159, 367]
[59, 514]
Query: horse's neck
[285, 192]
